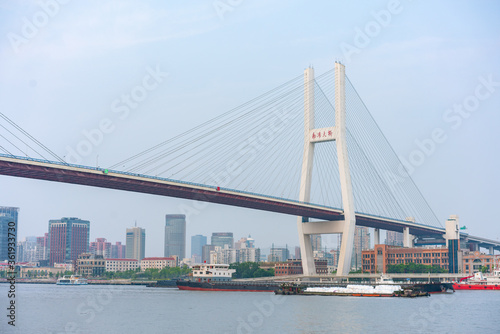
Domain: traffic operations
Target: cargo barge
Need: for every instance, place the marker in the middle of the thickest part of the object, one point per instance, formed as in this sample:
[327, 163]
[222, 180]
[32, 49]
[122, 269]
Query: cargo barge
[352, 291]
[217, 277]
[227, 286]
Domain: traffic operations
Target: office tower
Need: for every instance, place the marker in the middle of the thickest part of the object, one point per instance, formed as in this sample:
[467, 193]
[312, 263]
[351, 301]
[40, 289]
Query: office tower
[245, 243]
[222, 239]
[100, 247]
[26, 250]
[205, 253]
[68, 238]
[394, 238]
[361, 243]
[278, 255]
[197, 243]
[8, 218]
[136, 243]
[297, 253]
[42, 248]
[316, 242]
[118, 251]
[251, 254]
[175, 236]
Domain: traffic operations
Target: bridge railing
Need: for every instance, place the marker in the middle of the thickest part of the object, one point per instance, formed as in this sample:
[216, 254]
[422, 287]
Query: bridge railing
[196, 185]
[164, 179]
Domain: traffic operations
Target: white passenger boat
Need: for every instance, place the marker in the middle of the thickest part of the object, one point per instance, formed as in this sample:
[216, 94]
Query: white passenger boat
[72, 280]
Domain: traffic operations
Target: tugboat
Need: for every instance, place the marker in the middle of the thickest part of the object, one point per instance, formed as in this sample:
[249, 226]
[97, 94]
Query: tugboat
[218, 277]
[479, 282]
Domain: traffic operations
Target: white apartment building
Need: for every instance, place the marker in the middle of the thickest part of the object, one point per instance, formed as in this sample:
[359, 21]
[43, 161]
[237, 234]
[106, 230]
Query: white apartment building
[121, 264]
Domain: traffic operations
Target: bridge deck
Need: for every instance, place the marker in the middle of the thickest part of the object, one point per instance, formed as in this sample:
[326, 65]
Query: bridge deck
[97, 177]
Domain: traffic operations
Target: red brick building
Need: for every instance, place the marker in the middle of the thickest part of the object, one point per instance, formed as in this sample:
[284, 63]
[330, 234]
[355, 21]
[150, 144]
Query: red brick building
[294, 267]
[68, 238]
[473, 261]
[376, 260]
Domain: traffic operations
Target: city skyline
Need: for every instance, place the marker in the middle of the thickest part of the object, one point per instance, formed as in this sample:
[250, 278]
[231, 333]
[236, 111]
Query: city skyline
[102, 246]
[298, 118]
[391, 72]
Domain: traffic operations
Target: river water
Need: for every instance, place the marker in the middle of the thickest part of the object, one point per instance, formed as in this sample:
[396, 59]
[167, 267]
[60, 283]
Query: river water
[48, 308]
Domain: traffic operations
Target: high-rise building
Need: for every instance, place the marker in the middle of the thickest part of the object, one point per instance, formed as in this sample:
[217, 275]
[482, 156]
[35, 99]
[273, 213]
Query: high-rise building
[26, 251]
[136, 243]
[394, 238]
[68, 238]
[224, 256]
[297, 253]
[316, 242]
[248, 254]
[8, 218]
[175, 236]
[100, 247]
[278, 255]
[197, 243]
[221, 239]
[118, 251]
[245, 243]
[205, 253]
[361, 243]
[42, 248]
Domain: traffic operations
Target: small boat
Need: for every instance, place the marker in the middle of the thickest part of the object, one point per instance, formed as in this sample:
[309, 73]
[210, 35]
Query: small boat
[72, 280]
[479, 281]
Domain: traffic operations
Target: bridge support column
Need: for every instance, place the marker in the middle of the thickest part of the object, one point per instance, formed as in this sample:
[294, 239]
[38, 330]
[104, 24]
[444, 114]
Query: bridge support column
[311, 136]
[306, 252]
[376, 236]
[346, 246]
[492, 250]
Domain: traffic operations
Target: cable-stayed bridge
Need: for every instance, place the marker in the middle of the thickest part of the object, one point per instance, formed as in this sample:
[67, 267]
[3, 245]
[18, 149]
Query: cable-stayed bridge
[308, 148]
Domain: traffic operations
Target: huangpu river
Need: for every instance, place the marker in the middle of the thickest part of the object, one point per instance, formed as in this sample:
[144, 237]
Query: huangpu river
[49, 308]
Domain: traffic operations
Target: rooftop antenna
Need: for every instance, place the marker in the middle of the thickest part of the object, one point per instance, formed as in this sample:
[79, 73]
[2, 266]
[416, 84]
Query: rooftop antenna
[136, 223]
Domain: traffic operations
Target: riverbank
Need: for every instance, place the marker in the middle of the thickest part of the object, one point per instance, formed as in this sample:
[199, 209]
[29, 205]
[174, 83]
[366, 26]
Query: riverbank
[90, 281]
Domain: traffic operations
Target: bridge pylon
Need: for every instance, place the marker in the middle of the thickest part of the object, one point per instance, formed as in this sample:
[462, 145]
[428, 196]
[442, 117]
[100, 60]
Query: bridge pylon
[313, 136]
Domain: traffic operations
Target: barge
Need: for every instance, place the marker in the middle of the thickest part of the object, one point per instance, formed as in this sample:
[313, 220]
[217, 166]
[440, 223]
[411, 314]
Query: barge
[352, 291]
[217, 277]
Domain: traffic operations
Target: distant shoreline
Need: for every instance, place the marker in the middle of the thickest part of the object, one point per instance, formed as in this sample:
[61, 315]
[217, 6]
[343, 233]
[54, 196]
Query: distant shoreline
[90, 281]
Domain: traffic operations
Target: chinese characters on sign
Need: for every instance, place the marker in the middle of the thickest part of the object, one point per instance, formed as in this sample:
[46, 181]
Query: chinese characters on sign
[322, 134]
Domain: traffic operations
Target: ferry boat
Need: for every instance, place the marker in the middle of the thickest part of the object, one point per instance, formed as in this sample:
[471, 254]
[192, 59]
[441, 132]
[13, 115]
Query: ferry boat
[217, 277]
[72, 280]
[479, 281]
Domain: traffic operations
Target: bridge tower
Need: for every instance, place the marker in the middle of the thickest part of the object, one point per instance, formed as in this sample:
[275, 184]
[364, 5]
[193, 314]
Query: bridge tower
[314, 136]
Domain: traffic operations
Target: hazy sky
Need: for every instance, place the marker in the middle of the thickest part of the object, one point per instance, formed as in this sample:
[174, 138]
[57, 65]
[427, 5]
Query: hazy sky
[418, 65]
